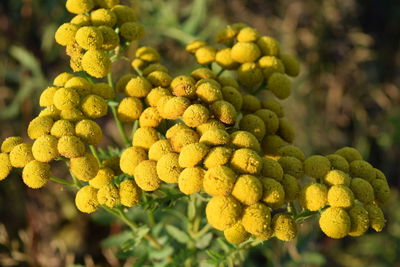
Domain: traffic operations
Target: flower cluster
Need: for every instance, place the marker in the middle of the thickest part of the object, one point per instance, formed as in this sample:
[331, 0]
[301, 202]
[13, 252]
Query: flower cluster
[200, 132]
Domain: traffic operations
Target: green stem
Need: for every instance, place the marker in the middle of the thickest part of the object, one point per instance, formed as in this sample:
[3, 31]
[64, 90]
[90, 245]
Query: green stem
[62, 181]
[135, 127]
[120, 126]
[220, 72]
[95, 154]
[150, 215]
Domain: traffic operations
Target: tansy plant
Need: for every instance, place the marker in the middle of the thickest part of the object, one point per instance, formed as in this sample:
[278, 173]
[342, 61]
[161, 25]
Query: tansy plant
[207, 140]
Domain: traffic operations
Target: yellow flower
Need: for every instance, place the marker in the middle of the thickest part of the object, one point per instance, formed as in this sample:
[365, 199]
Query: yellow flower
[250, 75]
[243, 52]
[81, 20]
[376, 218]
[10, 142]
[103, 177]
[183, 85]
[209, 92]
[44, 149]
[159, 149]
[228, 81]
[65, 34]
[382, 190]
[192, 155]
[89, 37]
[363, 190]
[182, 138]
[73, 114]
[36, 174]
[253, 124]
[245, 160]
[313, 196]
[362, 169]
[40, 126]
[236, 234]
[224, 111]
[89, 131]
[359, 220]
[155, 95]
[271, 169]
[291, 151]
[193, 46]
[224, 59]
[103, 90]
[129, 193]
[71, 146]
[146, 175]
[168, 168]
[349, 153]
[268, 46]
[190, 180]
[113, 164]
[108, 195]
[150, 117]
[148, 54]
[256, 219]
[338, 162]
[123, 13]
[130, 158]
[103, 16]
[280, 85]
[123, 81]
[233, 96]
[292, 166]
[272, 104]
[85, 167]
[243, 139]
[223, 212]
[292, 65]
[79, 6]
[138, 87]
[62, 127]
[129, 109]
[291, 186]
[21, 155]
[145, 137]
[202, 73]
[340, 196]
[286, 130]
[51, 112]
[248, 189]
[5, 165]
[174, 107]
[110, 38]
[210, 124]
[94, 106]
[107, 3]
[251, 103]
[159, 78]
[271, 144]
[219, 181]
[86, 199]
[335, 222]
[215, 137]
[284, 227]
[82, 86]
[317, 166]
[217, 156]
[205, 55]
[132, 31]
[336, 177]
[195, 115]
[273, 193]
[96, 63]
[247, 34]
[270, 64]
[62, 78]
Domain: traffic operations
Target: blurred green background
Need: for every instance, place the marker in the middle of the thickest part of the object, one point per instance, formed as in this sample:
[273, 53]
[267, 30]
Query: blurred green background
[348, 93]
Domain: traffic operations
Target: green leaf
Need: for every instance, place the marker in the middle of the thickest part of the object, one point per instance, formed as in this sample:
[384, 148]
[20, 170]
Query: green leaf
[191, 210]
[117, 240]
[27, 60]
[204, 241]
[313, 258]
[161, 254]
[177, 234]
[196, 17]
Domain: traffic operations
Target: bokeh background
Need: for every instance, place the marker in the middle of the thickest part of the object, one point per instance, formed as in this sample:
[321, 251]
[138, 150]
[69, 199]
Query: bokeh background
[348, 94]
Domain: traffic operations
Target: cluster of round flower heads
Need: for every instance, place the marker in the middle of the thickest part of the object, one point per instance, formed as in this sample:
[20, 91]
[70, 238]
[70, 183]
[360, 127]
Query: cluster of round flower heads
[98, 27]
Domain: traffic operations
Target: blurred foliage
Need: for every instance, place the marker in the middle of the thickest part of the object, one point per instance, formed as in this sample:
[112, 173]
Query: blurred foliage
[348, 94]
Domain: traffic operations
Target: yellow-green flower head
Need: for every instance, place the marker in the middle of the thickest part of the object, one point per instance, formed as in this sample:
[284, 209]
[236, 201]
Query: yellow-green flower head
[215, 137]
[103, 90]
[46, 97]
[168, 168]
[66, 98]
[292, 65]
[224, 59]
[335, 222]
[205, 55]
[129, 109]
[313, 196]
[148, 54]
[158, 149]
[362, 169]
[223, 212]
[248, 189]
[245, 160]
[209, 91]
[107, 3]
[155, 95]
[124, 14]
[271, 168]
[349, 153]
[338, 162]
[193, 46]
[150, 117]
[161, 104]
[110, 38]
[5, 165]
[182, 138]
[89, 131]
[82, 86]
[132, 31]
[268, 46]
[195, 115]
[79, 6]
[292, 166]
[71, 146]
[86, 199]
[243, 52]
[10, 142]
[284, 226]
[62, 127]
[108, 195]
[96, 63]
[233, 96]
[228, 81]
[130, 158]
[317, 166]
[138, 64]
[376, 218]
[123, 81]
[147, 69]
[21, 155]
[247, 34]
[51, 112]
[44, 149]
[146, 175]
[62, 78]
[103, 16]
[380, 175]
[94, 106]
[273, 193]
[219, 181]
[202, 73]
[192, 155]
[236, 234]
[224, 111]
[340, 196]
[39, 126]
[129, 193]
[337, 177]
[183, 86]
[138, 87]
[272, 104]
[209, 125]
[251, 103]
[280, 85]
[250, 75]
[175, 129]
[256, 219]
[291, 186]
[271, 144]
[76, 53]
[65, 34]
[382, 190]
[359, 220]
[226, 35]
[113, 164]
[362, 189]
[291, 151]
[217, 156]
[36, 174]
[159, 78]
[271, 120]
[103, 177]
[175, 107]
[244, 139]
[253, 124]
[89, 37]
[286, 130]
[145, 137]
[269, 65]
[73, 115]
[81, 20]
[190, 180]
[85, 167]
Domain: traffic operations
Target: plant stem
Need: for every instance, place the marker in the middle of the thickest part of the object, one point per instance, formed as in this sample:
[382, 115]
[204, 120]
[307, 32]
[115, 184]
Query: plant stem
[120, 126]
[95, 154]
[62, 181]
[150, 216]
